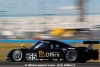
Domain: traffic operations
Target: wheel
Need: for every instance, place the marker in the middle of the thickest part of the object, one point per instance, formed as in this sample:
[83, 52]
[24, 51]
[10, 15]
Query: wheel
[71, 56]
[17, 56]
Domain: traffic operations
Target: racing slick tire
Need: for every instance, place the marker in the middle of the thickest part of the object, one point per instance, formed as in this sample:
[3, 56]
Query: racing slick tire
[71, 56]
[17, 56]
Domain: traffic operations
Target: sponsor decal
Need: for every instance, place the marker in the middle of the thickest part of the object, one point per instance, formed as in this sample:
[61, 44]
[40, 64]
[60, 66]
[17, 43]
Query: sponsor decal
[71, 48]
[48, 54]
[45, 59]
[57, 46]
[37, 59]
[54, 59]
[41, 54]
[61, 59]
[41, 59]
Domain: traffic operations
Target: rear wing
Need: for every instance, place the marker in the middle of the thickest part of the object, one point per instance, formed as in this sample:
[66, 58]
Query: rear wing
[91, 44]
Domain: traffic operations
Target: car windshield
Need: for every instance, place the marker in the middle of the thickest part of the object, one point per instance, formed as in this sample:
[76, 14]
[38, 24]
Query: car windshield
[36, 44]
[40, 45]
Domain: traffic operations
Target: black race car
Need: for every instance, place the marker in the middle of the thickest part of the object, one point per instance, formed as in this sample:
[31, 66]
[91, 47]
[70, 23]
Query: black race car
[52, 50]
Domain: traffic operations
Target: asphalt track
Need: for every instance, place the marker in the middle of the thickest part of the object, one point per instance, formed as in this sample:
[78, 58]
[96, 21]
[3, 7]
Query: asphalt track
[46, 63]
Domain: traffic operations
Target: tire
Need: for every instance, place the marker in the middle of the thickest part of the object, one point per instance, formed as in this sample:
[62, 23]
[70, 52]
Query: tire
[71, 56]
[17, 56]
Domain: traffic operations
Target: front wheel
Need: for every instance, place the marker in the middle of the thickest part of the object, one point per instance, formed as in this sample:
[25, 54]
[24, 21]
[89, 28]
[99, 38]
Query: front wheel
[71, 56]
[17, 56]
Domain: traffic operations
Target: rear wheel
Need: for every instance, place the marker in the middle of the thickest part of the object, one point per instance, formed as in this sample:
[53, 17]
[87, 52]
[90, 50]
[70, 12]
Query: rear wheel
[17, 56]
[71, 56]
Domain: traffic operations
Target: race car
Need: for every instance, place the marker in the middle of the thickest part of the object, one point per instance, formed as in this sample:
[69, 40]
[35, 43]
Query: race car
[53, 50]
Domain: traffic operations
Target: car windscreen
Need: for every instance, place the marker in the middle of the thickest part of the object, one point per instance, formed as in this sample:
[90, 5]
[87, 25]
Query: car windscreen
[34, 45]
[40, 45]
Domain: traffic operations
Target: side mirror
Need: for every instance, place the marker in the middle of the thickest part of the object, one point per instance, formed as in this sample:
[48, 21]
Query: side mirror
[22, 45]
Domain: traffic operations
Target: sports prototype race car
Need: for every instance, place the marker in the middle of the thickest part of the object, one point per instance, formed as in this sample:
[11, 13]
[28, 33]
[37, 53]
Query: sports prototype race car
[53, 50]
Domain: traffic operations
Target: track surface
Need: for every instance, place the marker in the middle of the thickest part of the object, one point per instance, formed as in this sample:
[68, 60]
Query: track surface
[22, 64]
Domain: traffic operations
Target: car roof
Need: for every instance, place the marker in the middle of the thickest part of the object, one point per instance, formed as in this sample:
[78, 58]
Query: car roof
[50, 40]
[57, 41]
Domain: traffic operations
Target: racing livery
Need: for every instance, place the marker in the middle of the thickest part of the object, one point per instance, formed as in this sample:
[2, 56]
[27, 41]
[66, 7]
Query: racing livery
[53, 50]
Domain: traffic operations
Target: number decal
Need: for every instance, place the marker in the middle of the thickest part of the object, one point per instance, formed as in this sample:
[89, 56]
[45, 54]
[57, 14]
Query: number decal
[31, 56]
[51, 46]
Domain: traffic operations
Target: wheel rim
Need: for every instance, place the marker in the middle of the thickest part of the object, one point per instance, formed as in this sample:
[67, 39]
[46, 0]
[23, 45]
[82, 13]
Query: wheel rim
[17, 55]
[71, 55]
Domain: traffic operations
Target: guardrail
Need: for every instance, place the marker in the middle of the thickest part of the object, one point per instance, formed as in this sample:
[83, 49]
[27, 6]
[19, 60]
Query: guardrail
[34, 41]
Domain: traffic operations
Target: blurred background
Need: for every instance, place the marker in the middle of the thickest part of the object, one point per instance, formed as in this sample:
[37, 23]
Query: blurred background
[49, 19]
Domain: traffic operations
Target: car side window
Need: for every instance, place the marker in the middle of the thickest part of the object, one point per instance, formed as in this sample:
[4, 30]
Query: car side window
[63, 45]
[46, 45]
[42, 45]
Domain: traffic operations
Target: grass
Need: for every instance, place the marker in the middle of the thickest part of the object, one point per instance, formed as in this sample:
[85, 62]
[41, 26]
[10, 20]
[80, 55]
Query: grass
[6, 47]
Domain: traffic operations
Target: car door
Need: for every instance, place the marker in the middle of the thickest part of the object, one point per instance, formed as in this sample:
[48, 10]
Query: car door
[49, 51]
[33, 53]
[43, 50]
[57, 50]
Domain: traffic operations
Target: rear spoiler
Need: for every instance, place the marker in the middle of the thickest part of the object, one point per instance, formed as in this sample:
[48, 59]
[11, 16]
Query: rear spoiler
[91, 43]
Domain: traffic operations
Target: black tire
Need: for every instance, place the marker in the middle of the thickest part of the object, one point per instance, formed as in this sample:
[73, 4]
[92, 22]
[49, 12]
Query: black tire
[71, 56]
[17, 56]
